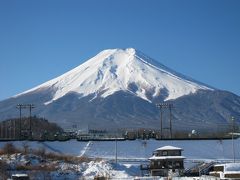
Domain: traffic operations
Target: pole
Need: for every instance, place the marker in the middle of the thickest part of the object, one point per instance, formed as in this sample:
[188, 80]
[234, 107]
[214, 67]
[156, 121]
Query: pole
[12, 129]
[116, 150]
[2, 129]
[20, 121]
[161, 122]
[20, 107]
[161, 106]
[170, 120]
[233, 148]
[30, 121]
[6, 130]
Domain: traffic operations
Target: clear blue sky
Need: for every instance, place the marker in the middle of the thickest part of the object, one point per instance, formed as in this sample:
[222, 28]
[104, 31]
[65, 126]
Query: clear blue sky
[40, 40]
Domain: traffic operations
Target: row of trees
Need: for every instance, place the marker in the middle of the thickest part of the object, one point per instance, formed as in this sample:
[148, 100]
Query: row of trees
[180, 134]
[26, 128]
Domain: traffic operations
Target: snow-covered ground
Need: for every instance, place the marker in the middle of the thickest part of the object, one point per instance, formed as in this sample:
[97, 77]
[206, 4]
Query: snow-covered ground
[67, 170]
[129, 153]
[139, 149]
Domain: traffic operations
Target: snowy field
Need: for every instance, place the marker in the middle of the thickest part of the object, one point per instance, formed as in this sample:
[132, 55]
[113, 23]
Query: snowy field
[140, 149]
[130, 156]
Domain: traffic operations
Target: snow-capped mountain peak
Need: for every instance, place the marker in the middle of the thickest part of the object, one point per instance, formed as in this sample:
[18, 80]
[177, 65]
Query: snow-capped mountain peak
[115, 70]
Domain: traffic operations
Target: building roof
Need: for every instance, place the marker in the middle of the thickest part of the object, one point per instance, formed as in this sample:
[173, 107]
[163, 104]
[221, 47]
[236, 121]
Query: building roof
[218, 165]
[19, 175]
[168, 148]
[229, 166]
[166, 157]
[232, 167]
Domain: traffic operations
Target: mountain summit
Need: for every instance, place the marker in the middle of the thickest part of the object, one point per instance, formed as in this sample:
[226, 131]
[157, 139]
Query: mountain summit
[126, 70]
[119, 88]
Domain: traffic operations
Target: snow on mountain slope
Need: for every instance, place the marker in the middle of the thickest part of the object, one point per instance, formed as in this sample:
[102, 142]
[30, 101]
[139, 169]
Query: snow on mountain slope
[121, 69]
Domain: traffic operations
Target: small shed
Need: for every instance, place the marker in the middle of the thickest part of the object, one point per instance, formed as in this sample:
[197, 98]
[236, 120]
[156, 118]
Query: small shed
[20, 177]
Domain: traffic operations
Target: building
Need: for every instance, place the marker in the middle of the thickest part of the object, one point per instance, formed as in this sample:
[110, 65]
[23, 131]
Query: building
[166, 160]
[226, 171]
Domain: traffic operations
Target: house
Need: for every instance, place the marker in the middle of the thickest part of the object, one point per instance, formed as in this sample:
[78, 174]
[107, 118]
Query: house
[226, 171]
[166, 160]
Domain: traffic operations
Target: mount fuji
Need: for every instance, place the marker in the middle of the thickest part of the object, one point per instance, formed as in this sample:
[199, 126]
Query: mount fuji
[118, 88]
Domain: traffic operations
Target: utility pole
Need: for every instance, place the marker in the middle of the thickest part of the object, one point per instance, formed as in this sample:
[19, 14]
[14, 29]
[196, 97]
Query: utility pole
[2, 130]
[6, 130]
[31, 106]
[24, 106]
[12, 129]
[169, 106]
[116, 150]
[161, 121]
[20, 107]
[233, 148]
[170, 119]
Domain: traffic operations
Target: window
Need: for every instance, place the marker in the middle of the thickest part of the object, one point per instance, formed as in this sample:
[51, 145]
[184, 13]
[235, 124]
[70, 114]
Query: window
[177, 164]
[164, 165]
[152, 163]
[174, 153]
[164, 153]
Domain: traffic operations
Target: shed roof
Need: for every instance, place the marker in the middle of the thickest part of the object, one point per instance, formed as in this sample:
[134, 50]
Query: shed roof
[168, 148]
[19, 175]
